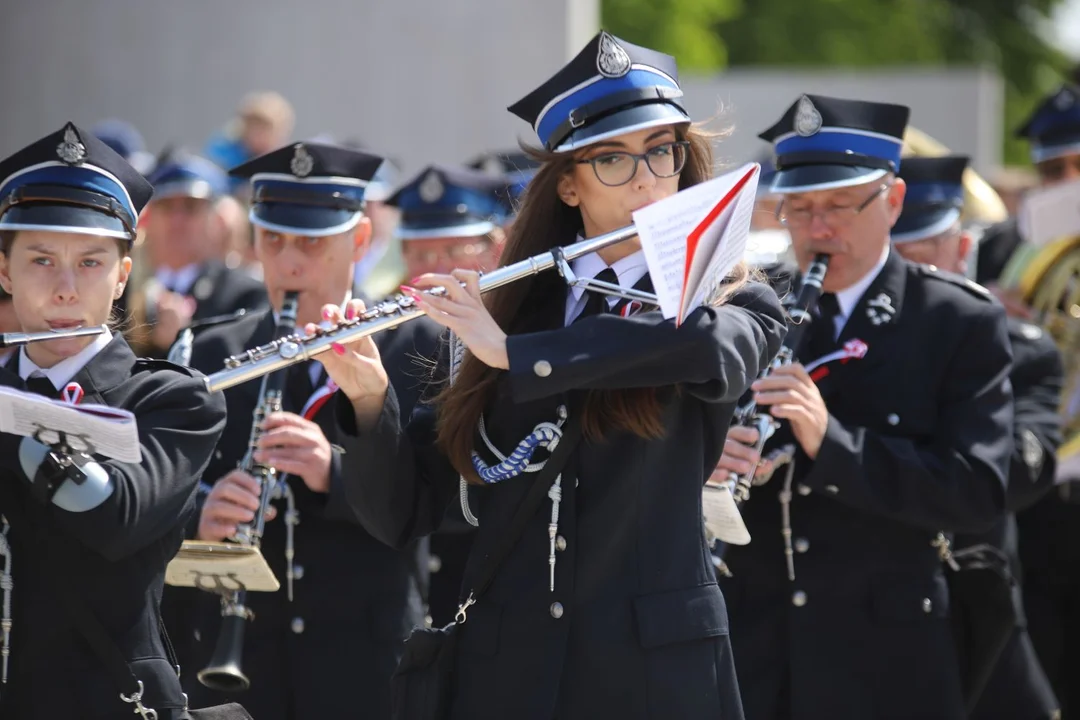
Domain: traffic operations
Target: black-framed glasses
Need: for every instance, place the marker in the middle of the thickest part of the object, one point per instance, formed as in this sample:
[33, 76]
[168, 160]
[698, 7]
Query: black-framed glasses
[835, 217]
[620, 167]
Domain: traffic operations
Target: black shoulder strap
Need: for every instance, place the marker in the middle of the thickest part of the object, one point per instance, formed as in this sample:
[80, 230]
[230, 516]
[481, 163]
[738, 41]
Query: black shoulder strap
[570, 436]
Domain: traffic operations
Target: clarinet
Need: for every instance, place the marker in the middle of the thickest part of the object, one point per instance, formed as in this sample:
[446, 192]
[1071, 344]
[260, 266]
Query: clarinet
[223, 672]
[799, 318]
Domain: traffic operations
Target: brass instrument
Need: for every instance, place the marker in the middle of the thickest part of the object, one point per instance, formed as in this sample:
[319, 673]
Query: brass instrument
[223, 672]
[293, 349]
[1047, 279]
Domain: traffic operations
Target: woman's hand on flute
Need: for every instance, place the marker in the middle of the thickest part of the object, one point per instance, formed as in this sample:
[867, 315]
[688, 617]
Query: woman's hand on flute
[462, 310]
[356, 368]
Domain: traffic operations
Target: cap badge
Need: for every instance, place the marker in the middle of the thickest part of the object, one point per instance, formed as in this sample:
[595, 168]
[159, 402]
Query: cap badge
[431, 188]
[71, 150]
[302, 163]
[807, 118]
[612, 61]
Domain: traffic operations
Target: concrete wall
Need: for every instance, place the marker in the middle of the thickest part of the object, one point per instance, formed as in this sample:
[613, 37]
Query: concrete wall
[419, 80]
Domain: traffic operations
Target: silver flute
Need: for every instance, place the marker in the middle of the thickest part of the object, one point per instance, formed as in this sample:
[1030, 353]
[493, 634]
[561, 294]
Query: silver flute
[389, 314]
[18, 339]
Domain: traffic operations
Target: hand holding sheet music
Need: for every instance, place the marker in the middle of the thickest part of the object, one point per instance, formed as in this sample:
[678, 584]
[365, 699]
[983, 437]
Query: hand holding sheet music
[93, 429]
[694, 238]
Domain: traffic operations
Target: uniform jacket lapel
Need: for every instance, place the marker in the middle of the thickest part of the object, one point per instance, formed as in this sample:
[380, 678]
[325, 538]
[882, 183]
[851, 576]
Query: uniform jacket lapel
[869, 329]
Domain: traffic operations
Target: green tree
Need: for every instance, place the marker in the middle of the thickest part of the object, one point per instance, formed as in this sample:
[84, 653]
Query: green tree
[713, 34]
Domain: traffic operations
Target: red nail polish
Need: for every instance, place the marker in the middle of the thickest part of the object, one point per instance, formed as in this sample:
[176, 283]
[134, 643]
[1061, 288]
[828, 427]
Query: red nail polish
[408, 290]
[416, 278]
[338, 348]
[328, 314]
[350, 312]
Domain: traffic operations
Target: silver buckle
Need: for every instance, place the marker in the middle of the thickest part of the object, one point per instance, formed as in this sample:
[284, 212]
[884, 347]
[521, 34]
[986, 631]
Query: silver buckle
[136, 699]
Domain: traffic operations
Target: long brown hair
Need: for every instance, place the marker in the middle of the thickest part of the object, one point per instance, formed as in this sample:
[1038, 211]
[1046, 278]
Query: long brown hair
[543, 223]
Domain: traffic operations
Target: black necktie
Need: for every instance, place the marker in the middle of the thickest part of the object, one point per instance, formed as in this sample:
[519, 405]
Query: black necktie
[298, 386]
[42, 385]
[596, 303]
[822, 338]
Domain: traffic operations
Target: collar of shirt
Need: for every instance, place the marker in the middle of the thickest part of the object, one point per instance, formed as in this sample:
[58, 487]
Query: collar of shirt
[61, 373]
[314, 366]
[178, 281]
[629, 270]
[849, 297]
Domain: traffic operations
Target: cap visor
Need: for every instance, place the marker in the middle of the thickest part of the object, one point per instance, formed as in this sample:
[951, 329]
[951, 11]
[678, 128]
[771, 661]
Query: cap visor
[444, 230]
[65, 219]
[807, 178]
[915, 225]
[625, 121]
[303, 219]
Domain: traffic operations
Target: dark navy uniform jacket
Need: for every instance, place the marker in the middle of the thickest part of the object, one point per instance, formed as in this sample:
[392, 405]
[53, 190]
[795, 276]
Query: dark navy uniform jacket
[919, 440]
[636, 627]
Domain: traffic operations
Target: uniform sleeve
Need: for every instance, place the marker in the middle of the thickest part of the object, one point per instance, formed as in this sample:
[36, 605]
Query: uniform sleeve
[954, 481]
[1037, 380]
[717, 352]
[179, 424]
[406, 484]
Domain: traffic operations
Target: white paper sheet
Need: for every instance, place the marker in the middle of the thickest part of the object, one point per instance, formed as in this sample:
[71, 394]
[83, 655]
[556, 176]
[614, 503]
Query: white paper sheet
[107, 431]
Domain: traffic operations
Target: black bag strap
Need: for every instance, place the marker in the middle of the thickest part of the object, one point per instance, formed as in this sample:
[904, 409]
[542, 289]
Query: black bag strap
[116, 665]
[571, 434]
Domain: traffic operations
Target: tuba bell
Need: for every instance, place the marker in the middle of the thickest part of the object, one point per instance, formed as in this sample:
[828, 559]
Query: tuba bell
[1044, 272]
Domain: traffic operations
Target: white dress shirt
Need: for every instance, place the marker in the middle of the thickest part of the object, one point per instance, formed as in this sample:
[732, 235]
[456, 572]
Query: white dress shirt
[629, 270]
[61, 373]
[178, 281]
[849, 297]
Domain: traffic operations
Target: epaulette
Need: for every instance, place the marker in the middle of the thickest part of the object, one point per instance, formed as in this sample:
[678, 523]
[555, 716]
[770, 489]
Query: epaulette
[974, 288]
[1026, 330]
[159, 364]
[180, 352]
[216, 320]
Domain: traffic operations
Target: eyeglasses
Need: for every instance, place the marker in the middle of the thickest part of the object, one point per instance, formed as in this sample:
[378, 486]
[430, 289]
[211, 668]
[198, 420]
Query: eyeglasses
[836, 216]
[618, 168]
[453, 253]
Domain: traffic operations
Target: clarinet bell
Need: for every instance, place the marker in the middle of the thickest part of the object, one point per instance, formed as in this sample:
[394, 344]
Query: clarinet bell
[223, 673]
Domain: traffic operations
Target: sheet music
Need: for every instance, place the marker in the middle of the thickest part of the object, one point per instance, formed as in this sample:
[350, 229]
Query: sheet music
[721, 246]
[1050, 214]
[722, 516]
[666, 226]
[107, 431]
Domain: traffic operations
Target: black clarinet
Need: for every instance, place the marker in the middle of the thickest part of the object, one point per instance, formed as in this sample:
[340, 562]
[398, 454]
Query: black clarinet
[799, 319]
[223, 672]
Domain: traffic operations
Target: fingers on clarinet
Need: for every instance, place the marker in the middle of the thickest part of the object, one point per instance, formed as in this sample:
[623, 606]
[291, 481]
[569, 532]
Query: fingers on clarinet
[270, 514]
[743, 434]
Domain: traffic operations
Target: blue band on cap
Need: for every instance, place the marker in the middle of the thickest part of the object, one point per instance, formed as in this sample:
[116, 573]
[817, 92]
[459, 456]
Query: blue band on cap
[599, 87]
[84, 177]
[311, 188]
[843, 141]
[1065, 144]
[933, 193]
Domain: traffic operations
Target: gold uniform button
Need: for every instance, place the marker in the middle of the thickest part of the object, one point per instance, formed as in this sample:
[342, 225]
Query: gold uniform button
[560, 543]
[832, 489]
[927, 605]
[556, 610]
[798, 599]
[801, 545]
[298, 572]
[893, 419]
[542, 368]
[434, 563]
[804, 490]
[297, 625]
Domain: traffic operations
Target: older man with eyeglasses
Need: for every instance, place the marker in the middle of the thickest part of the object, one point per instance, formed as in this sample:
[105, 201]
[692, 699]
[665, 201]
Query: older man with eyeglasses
[898, 411]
